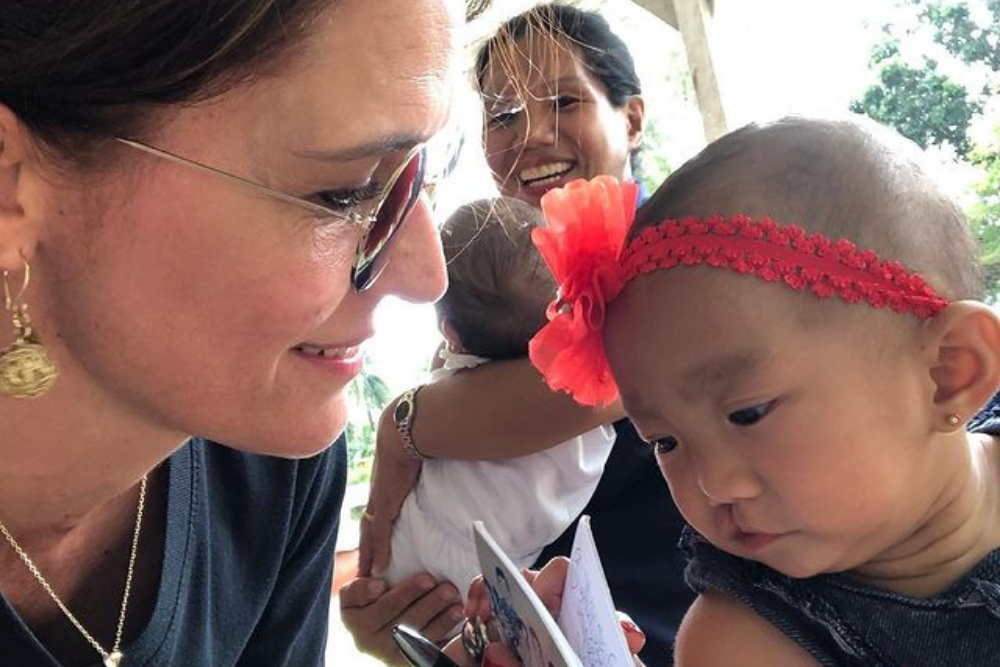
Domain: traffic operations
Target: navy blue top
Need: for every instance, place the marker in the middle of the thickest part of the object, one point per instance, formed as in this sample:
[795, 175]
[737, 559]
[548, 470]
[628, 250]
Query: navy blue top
[247, 565]
[842, 622]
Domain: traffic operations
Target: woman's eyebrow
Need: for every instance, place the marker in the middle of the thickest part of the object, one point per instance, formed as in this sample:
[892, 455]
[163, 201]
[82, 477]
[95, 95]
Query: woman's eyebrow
[374, 148]
[514, 96]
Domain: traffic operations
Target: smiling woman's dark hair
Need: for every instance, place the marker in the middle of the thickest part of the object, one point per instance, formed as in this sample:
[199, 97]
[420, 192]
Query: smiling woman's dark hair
[76, 72]
[604, 54]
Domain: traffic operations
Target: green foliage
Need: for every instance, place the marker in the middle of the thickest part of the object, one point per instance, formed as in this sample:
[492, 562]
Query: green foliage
[957, 32]
[655, 165]
[367, 395]
[921, 104]
[932, 109]
[984, 214]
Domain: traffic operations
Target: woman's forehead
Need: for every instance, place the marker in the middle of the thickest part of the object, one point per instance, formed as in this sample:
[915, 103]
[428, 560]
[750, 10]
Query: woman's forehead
[532, 63]
[367, 72]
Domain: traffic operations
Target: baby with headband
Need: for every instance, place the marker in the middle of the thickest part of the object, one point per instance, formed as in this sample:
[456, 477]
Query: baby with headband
[792, 323]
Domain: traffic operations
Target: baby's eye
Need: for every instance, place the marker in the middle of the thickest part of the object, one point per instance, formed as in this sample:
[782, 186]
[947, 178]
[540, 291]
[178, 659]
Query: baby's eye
[664, 444]
[751, 415]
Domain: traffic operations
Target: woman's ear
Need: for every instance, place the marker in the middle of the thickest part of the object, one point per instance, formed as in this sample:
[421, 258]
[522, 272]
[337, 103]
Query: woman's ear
[635, 116]
[18, 234]
[964, 343]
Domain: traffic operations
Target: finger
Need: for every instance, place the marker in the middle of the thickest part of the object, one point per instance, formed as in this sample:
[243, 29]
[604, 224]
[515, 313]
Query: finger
[478, 603]
[550, 582]
[392, 480]
[371, 505]
[389, 608]
[498, 655]
[375, 546]
[405, 602]
[365, 549]
[634, 636]
[436, 613]
[381, 543]
[445, 625]
[361, 592]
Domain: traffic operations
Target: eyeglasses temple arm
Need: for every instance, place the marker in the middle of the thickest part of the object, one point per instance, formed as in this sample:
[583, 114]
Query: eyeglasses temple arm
[237, 180]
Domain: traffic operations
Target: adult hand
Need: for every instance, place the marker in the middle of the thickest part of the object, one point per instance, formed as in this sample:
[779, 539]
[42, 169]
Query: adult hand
[369, 608]
[393, 475]
[548, 583]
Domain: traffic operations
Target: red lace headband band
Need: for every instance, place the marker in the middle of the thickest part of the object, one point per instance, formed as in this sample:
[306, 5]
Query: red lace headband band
[781, 253]
[583, 247]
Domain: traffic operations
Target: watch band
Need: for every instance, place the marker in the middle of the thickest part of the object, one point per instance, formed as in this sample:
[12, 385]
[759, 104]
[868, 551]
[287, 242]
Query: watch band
[403, 415]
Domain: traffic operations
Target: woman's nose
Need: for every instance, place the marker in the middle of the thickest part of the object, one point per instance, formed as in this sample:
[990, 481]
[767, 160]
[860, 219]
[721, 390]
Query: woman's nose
[539, 126]
[415, 271]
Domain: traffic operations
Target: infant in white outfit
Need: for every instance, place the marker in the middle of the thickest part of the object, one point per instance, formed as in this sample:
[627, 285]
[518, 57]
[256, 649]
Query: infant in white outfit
[498, 290]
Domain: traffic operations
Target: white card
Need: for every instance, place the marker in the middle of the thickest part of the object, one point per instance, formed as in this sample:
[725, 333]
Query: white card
[587, 633]
[587, 616]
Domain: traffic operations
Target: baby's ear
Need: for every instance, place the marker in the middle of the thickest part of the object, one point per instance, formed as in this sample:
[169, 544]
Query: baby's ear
[450, 333]
[963, 341]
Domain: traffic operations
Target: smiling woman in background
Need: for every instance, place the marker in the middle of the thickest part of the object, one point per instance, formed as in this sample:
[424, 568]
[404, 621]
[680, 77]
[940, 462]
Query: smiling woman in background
[201, 204]
[562, 101]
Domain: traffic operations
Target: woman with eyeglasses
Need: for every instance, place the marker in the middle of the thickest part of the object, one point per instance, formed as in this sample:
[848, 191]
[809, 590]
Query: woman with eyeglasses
[201, 204]
[562, 101]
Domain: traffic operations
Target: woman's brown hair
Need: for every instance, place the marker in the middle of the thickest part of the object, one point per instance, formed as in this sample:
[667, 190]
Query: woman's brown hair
[76, 72]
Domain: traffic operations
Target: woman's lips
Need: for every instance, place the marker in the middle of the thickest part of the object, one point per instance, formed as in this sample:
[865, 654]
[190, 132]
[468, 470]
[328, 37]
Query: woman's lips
[539, 187]
[341, 353]
[543, 173]
[342, 361]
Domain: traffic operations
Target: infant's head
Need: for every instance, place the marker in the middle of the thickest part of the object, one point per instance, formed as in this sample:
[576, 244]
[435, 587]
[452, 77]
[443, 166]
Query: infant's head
[849, 178]
[498, 285]
[806, 429]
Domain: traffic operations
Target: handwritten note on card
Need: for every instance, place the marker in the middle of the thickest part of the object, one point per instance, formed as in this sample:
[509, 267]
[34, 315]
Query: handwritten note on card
[587, 616]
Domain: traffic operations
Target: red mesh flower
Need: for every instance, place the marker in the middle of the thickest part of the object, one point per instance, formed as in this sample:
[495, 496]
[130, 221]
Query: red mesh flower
[588, 221]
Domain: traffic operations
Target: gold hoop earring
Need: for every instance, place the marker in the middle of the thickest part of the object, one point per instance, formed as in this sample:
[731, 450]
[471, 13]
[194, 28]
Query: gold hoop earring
[26, 371]
[953, 420]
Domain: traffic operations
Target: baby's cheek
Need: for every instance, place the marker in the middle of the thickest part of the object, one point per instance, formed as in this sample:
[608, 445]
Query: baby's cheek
[683, 483]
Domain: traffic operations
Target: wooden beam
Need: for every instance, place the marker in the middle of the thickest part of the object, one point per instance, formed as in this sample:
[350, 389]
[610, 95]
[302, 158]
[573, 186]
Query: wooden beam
[664, 10]
[693, 18]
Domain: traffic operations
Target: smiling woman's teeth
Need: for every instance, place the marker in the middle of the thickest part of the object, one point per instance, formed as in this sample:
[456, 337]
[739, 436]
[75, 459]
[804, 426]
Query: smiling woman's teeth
[328, 352]
[544, 173]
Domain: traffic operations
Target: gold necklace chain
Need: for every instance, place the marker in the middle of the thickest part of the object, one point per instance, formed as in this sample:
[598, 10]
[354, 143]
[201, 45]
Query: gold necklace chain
[114, 657]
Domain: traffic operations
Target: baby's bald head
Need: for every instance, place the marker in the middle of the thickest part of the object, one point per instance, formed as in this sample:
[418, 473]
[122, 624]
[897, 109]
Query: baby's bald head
[849, 179]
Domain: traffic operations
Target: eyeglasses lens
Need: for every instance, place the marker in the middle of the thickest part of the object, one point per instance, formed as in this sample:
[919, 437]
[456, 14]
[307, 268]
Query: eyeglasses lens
[400, 197]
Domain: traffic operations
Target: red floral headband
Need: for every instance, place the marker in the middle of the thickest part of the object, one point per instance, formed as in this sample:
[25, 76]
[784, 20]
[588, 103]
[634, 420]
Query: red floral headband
[583, 247]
